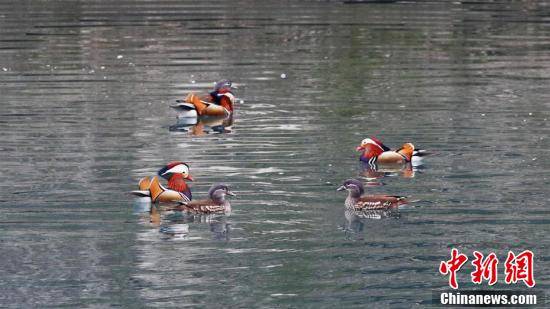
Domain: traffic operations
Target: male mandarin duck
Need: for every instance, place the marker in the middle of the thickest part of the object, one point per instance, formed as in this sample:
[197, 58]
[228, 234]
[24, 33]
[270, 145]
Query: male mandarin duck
[375, 152]
[178, 191]
[218, 103]
[217, 203]
[358, 203]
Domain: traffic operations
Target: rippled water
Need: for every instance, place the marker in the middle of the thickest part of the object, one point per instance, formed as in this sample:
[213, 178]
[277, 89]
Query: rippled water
[85, 89]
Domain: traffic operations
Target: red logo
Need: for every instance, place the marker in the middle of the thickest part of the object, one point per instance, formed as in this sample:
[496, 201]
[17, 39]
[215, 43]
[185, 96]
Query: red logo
[485, 269]
[520, 267]
[517, 268]
[452, 266]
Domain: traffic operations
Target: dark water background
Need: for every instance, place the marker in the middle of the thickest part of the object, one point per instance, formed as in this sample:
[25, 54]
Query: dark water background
[84, 90]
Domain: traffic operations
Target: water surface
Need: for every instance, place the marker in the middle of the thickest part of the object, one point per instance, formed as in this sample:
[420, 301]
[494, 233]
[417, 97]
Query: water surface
[85, 90]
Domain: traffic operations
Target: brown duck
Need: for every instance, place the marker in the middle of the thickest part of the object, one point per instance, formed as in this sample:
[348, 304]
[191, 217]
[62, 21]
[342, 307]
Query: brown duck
[358, 203]
[216, 203]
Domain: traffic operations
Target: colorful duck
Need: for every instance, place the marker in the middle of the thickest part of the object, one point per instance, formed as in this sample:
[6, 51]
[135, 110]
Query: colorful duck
[375, 152]
[361, 204]
[217, 202]
[218, 103]
[178, 191]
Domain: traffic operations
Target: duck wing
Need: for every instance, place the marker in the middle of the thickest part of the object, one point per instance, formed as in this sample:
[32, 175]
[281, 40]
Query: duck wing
[373, 202]
[202, 206]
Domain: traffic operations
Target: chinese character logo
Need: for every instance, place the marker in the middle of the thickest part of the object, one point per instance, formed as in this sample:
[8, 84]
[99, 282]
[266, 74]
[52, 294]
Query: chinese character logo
[520, 267]
[517, 268]
[452, 266]
[485, 269]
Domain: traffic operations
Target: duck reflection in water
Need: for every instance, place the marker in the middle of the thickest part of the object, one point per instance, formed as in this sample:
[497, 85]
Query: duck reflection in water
[178, 224]
[355, 223]
[375, 171]
[174, 220]
[219, 227]
[204, 125]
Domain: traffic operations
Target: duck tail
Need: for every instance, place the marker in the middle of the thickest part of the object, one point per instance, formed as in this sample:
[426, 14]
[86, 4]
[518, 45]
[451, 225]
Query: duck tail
[421, 153]
[399, 197]
[402, 200]
[141, 193]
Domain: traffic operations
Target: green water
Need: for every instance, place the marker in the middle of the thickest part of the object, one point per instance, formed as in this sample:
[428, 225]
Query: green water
[85, 88]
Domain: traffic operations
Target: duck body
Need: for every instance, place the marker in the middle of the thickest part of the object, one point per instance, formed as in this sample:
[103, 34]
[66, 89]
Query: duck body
[206, 206]
[218, 103]
[374, 202]
[161, 194]
[216, 203]
[374, 152]
[358, 203]
[177, 190]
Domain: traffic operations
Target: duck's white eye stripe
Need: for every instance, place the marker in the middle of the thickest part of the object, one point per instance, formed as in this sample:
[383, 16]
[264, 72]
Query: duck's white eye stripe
[352, 184]
[178, 169]
[370, 141]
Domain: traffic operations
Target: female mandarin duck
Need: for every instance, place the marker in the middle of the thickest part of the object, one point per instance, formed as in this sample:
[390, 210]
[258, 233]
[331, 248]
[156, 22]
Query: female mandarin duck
[217, 203]
[218, 103]
[358, 203]
[373, 152]
[178, 191]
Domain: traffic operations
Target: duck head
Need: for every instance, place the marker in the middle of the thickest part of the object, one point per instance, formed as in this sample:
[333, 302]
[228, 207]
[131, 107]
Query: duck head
[175, 168]
[223, 86]
[222, 94]
[371, 147]
[218, 192]
[353, 186]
